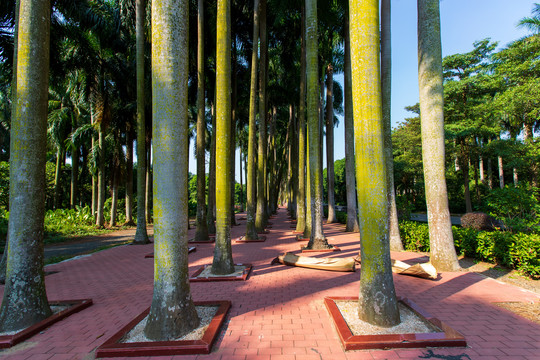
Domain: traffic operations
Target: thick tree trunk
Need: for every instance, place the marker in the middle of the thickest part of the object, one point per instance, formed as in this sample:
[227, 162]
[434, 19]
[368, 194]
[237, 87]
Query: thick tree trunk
[443, 253]
[330, 143]
[172, 313]
[301, 197]
[25, 300]
[377, 303]
[317, 239]
[350, 177]
[261, 216]
[201, 233]
[223, 261]
[386, 88]
[141, 236]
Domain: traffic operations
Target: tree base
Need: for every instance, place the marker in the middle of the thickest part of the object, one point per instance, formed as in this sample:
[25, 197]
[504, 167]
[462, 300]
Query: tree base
[242, 277]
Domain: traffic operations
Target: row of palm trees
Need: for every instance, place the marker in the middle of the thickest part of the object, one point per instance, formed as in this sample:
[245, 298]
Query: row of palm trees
[172, 312]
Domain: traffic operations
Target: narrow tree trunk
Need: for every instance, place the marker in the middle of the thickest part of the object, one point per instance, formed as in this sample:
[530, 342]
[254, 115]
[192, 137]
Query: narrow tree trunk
[100, 218]
[241, 182]
[141, 236]
[129, 176]
[201, 233]
[114, 197]
[350, 177]
[74, 191]
[57, 189]
[149, 181]
[223, 261]
[301, 197]
[172, 313]
[232, 147]
[330, 143]
[443, 254]
[210, 215]
[464, 158]
[317, 239]
[293, 141]
[377, 302]
[25, 300]
[386, 87]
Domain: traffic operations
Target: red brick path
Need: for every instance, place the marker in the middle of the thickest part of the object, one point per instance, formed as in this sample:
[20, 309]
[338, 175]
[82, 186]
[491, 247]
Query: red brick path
[278, 313]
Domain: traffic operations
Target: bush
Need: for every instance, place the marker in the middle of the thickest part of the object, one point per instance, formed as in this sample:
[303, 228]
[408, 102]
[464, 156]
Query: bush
[341, 217]
[525, 254]
[414, 235]
[478, 221]
[465, 241]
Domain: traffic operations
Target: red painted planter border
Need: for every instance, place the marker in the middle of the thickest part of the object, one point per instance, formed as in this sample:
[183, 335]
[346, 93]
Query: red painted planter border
[7, 341]
[261, 238]
[190, 250]
[335, 248]
[265, 231]
[113, 348]
[243, 277]
[447, 338]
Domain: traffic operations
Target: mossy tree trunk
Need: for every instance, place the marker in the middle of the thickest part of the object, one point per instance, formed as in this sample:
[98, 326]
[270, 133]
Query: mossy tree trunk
[386, 86]
[377, 303]
[251, 179]
[172, 313]
[25, 299]
[430, 82]
[201, 233]
[317, 239]
[350, 177]
[210, 214]
[223, 261]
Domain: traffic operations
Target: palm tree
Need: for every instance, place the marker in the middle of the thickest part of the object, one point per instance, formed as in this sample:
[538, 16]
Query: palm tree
[377, 301]
[430, 82]
[317, 239]
[172, 313]
[386, 80]
[223, 262]
[251, 233]
[301, 197]
[141, 236]
[25, 299]
[202, 229]
[532, 23]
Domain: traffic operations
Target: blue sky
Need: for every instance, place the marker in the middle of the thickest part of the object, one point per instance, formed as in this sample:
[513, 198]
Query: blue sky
[462, 23]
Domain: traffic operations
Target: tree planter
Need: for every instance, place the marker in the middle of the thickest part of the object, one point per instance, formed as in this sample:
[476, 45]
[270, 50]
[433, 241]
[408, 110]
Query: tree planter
[242, 239]
[243, 277]
[115, 348]
[447, 337]
[74, 306]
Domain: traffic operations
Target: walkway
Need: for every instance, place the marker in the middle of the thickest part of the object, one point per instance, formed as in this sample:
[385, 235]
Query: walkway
[278, 313]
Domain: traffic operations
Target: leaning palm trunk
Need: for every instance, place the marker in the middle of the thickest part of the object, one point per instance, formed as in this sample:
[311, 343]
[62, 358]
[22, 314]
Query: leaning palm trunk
[352, 216]
[386, 86]
[172, 313]
[317, 239]
[377, 303]
[251, 233]
[223, 261]
[430, 82]
[25, 299]
[202, 229]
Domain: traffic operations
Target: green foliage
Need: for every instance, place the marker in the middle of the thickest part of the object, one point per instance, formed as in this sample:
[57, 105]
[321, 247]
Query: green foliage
[4, 185]
[64, 222]
[517, 207]
[192, 195]
[414, 235]
[525, 254]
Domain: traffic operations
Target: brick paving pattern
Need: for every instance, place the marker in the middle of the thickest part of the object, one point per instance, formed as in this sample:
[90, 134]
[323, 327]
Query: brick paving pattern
[278, 313]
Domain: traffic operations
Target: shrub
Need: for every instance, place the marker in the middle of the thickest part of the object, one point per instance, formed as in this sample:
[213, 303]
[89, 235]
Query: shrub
[415, 236]
[525, 254]
[478, 221]
[465, 241]
[341, 217]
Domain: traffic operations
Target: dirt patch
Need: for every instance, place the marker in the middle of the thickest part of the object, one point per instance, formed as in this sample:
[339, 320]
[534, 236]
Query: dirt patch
[530, 311]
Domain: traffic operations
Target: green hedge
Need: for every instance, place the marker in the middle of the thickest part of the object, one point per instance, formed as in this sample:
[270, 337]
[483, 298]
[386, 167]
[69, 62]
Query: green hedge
[519, 251]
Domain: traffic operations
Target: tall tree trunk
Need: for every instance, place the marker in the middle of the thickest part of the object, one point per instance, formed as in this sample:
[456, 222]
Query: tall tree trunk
[74, 191]
[94, 172]
[501, 172]
[293, 154]
[210, 215]
[232, 147]
[60, 154]
[25, 299]
[301, 197]
[377, 302]
[317, 239]
[443, 253]
[172, 313]
[201, 233]
[260, 217]
[149, 181]
[141, 236]
[350, 177]
[129, 175]
[114, 194]
[100, 218]
[330, 143]
[386, 88]
[464, 167]
[241, 182]
[223, 261]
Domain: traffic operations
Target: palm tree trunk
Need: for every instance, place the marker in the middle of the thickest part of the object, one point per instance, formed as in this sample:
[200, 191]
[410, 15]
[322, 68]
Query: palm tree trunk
[141, 236]
[210, 215]
[74, 191]
[301, 197]
[202, 229]
[172, 313]
[443, 253]
[149, 181]
[317, 239]
[223, 261]
[350, 177]
[330, 144]
[501, 172]
[57, 188]
[114, 195]
[129, 176]
[25, 299]
[386, 88]
[100, 219]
